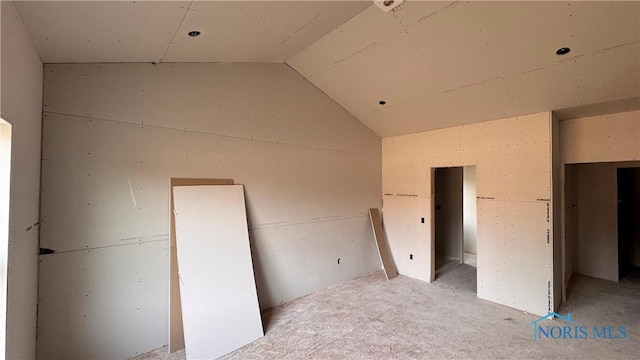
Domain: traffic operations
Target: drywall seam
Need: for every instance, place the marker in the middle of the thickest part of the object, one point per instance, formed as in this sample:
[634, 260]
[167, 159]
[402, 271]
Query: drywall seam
[219, 135]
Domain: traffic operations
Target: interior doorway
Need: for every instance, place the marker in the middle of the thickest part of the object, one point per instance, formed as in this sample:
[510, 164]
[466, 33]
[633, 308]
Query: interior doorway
[602, 231]
[628, 180]
[455, 228]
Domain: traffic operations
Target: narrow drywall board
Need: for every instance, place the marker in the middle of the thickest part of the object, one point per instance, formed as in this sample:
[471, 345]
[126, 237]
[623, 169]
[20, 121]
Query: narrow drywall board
[176, 335]
[469, 217]
[557, 201]
[21, 105]
[383, 247]
[217, 286]
[81, 316]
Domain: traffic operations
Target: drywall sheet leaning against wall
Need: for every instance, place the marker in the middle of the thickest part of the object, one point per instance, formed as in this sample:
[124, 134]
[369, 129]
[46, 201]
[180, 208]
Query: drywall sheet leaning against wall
[218, 294]
[176, 335]
[383, 246]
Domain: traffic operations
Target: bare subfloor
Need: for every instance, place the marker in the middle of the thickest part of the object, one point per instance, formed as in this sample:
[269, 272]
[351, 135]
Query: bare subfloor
[371, 318]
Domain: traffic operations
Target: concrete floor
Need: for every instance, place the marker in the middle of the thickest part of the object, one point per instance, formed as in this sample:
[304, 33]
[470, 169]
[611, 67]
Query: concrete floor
[371, 318]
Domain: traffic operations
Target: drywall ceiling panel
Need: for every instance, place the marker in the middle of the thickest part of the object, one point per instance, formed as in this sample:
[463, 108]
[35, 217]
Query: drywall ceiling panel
[612, 137]
[256, 31]
[478, 61]
[266, 101]
[220, 308]
[101, 31]
[78, 309]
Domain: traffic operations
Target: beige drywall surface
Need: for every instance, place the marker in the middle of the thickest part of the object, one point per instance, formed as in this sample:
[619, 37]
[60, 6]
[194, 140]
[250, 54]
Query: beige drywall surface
[469, 210]
[22, 108]
[115, 135]
[596, 245]
[612, 137]
[513, 162]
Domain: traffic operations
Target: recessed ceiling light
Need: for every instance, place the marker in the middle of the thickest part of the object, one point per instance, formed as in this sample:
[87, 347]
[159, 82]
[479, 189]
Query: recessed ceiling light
[563, 51]
[194, 33]
[382, 102]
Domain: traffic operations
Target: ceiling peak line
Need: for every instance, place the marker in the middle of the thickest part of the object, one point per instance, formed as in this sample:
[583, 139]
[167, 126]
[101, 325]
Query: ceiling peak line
[166, 51]
[290, 36]
[405, 30]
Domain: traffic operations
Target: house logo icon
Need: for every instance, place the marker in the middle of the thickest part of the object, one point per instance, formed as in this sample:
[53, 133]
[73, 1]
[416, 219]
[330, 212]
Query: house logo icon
[568, 329]
[551, 315]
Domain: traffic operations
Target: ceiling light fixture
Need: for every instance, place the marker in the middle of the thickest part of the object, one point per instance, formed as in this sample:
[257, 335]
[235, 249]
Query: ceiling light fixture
[194, 33]
[563, 51]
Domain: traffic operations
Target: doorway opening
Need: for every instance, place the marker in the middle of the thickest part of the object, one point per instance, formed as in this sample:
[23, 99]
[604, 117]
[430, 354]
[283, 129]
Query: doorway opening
[455, 228]
[602, 234]
[628, 224]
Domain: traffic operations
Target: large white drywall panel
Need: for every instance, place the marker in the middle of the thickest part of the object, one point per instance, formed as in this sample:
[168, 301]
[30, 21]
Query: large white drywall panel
[80, 314]
[469, 209]
[115, 134]
[602, 138]
[513, 167]
[22, 108]
[220, 308]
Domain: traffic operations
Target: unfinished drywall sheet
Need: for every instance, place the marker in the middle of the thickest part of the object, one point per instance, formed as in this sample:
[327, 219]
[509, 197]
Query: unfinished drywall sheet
[603, 138]
[383, 247]
[513, 166]
[21, 107]
[176, 334]
[217, 288]
[82, 319]
[115, 134]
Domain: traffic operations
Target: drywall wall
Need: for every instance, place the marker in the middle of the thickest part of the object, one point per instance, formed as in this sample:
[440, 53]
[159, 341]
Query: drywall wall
[513, 165]
[596, 248]
[114, 136]
[448, 215]
[603, 138]
[22, 108]
[469, 209]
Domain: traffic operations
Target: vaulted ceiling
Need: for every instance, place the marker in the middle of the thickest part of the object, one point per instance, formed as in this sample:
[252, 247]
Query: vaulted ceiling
[433, 64]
